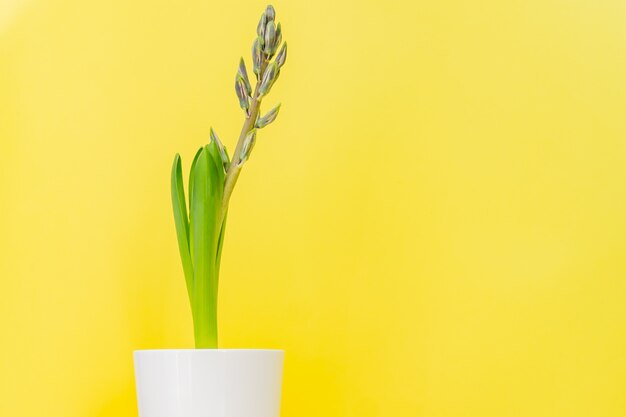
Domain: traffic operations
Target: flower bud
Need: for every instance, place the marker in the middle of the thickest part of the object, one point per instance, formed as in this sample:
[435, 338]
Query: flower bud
[248, 145]
[243, 73]
[268, 118]
[260, 29]
[257, 57]
[282, 56]
[278, 38]
[270, 75]
[242, 94]
[270, 38]
[270, 13]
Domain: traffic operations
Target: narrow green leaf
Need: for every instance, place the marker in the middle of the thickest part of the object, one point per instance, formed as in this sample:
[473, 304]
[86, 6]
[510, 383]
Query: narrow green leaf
[220, 245]
[220, 177]
[182, 223]
[205, 210]
[216, 157]
[191, 176]
[214, 151]
[222, 148]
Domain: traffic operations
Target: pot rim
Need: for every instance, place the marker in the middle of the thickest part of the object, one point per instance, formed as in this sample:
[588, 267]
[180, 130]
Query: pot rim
[210, 350]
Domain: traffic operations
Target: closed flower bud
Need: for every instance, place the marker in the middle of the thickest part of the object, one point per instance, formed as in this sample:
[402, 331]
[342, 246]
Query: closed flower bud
[242, 94]
[282, 56]
[248, 145]
[243, 73]
[270, 13]
[277, 74]
[260, 29]
[277, 39]
[268, 118]
[270, 75]
[257, 57]
[270, 38]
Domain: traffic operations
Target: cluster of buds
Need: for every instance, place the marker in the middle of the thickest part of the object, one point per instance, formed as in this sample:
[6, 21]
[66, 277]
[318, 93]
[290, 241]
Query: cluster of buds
[267, 61]
[269, 38]
[269, 33]
[265, 47]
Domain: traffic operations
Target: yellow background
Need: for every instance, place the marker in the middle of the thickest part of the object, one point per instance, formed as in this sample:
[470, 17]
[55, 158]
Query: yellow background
[435, 226]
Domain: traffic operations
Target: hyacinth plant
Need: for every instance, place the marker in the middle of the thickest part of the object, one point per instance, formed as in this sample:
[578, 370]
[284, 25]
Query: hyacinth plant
[213, 175]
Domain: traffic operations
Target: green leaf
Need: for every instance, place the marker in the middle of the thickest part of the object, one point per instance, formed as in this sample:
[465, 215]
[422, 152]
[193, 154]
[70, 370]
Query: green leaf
[182, 223]
[220, 245]
[216, 157]
[206, 204]
[220, 176]
[193, 164]
[222, 148]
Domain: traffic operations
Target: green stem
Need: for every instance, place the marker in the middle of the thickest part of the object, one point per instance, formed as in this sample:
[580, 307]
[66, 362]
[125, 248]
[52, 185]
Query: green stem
[205, 323]
[235, 164]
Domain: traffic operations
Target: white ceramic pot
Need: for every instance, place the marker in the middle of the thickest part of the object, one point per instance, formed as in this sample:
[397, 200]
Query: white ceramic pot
[209, 382]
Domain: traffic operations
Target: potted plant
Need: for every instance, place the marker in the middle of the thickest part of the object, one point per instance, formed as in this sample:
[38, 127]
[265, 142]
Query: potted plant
[207, 381]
